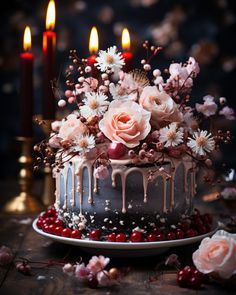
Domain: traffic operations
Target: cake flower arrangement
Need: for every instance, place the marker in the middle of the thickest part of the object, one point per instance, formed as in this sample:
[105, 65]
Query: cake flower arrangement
[137, 120]
[141, 114]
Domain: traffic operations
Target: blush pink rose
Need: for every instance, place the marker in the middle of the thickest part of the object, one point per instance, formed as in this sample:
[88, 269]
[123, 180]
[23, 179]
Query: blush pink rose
[217, 254]
[125, 122]
[71, 128]
[162, 107]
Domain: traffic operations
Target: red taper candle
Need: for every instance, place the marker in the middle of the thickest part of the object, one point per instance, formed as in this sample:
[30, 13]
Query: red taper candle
[49, 50]
[26, 87]
[127, 55]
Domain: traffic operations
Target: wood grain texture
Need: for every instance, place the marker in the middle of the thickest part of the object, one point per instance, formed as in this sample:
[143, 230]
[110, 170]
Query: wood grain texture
[52, 281]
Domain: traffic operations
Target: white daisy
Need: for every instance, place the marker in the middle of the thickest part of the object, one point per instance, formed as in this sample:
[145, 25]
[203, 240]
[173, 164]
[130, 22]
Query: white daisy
[109, 60]
[171, 136]
[95, 104]
[201, 143]
[84, 143]
[117, 92]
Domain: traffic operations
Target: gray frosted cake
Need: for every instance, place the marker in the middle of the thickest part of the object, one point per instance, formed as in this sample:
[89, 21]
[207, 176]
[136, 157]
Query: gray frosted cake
[125, 160]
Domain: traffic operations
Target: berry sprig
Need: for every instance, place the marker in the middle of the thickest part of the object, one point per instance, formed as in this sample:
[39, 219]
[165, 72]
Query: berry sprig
[190, 277]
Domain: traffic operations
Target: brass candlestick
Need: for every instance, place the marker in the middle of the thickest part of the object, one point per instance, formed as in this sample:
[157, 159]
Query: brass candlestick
[25, 202]
[48, 197]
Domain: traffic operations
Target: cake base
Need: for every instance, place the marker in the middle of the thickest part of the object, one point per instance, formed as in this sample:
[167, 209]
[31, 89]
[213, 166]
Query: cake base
[118, 249]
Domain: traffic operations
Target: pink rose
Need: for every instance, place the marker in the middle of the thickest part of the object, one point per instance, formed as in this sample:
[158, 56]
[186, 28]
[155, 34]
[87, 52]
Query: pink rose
[162, 107]
[125, 122]
[217, 254]
[208, 108]
[71, 128]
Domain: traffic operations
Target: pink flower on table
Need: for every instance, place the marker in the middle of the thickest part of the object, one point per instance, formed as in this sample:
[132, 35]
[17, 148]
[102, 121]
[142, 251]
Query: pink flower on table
[81, 272]
[97, 263]
[208, 108]
[71, 128]
[217, 254]
[6, 255]
[228, 113]
[162, 107]
[101, 172]
[192, 66]
[125, 122]
[68, 268]
[229, 193]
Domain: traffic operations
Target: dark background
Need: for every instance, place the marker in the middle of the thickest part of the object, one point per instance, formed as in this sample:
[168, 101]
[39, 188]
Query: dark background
[203, 29]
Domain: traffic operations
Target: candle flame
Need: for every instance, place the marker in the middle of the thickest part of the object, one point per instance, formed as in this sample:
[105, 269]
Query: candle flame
[93, 41]
[27, 39]
[51, 15]
[125, 39]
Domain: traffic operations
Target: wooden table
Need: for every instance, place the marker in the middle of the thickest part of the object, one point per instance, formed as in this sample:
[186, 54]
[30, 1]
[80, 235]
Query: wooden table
[51, 280]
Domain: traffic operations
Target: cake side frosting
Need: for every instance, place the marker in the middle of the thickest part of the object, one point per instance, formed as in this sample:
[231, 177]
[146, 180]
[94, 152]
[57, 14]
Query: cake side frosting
[131, 196]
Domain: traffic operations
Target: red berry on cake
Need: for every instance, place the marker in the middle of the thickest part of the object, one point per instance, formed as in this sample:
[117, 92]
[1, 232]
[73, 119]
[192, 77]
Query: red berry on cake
[95, 234]
[179, 234]
[160, 237]
[111, 237]
[121, 237]
[75, 234]
[116, 150]
[58, 230]
[51, 228]
[66, 232]
[171, 236]
[152, 237]
[136, 237]
[191, 233]
[59, 222]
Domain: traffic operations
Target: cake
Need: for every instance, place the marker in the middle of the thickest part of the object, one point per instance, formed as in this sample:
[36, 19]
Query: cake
[125, 160]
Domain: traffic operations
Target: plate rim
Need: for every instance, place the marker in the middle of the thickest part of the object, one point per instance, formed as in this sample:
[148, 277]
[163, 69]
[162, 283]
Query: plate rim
[122, 245]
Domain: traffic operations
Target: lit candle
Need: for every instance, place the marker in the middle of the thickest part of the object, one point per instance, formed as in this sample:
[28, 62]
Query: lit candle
[49, 46]
[26, 86]
[93, 46]
[128, 56]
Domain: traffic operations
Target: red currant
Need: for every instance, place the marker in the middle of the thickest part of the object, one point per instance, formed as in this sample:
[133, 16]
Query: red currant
[179, 234]
[195, 282]
[136, 237]
[75, 234]
[45, 228]
[156, 230]
[92, 282]
[50, 220]
[121, 237]
[39, 223]
[111, 237]
[58, 230]
[95, 234]
[66, 232]
[161, 237]
[171, 236]
[152, 237]
[51, 228]
[182, 282]
[116, 150]
[191, 233]
[59, 222]
[51, 212]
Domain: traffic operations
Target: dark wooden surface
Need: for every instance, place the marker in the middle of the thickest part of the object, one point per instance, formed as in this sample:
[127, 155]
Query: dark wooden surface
[51, 280]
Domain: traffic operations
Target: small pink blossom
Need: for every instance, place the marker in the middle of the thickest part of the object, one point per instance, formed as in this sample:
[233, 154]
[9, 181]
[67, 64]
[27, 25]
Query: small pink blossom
[54, 141]
[228, 113]
[81, 272]
[101, 172]
[103, 278]
[6, 255]
[192, 66]
[229, 193]
[89, 84]
[208, 108]
[68, 268]
[177, 71]
[97, 263]
[56, 125]
[217, 255]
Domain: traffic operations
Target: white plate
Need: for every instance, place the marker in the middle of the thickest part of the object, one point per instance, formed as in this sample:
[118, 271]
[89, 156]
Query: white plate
[123, 249]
